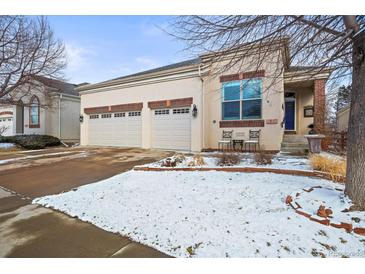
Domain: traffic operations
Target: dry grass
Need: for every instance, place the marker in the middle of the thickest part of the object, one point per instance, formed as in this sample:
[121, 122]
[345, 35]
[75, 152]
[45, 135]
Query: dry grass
[228, 159]
[262, 158]
[197, 160]
[336, 167]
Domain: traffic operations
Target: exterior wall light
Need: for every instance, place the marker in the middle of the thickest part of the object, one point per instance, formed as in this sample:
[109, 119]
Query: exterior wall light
[81, 118]
[195, 111]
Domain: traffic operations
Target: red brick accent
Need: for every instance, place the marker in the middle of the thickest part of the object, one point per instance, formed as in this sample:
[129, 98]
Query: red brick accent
[319, 103]
[6, 113]
[173, 103]
[305, 214]
[346, 226]
[242, 123]
[240, 169]
[359, 230]
[288, 199]
[321, 221]
[242, 75]
[114, 108]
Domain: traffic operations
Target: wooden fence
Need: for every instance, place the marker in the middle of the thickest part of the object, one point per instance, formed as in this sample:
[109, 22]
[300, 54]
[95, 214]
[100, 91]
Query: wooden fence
[335, 141]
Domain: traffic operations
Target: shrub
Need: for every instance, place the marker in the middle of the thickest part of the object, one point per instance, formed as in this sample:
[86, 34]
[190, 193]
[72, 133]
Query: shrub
[32, 141]
[262, 158]
[228, 159]
[168, 162]
[334, 166]
[179, 157]
[197, 160]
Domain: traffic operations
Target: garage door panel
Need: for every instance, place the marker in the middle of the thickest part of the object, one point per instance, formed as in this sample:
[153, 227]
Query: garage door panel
[116, 131]
[171, 130]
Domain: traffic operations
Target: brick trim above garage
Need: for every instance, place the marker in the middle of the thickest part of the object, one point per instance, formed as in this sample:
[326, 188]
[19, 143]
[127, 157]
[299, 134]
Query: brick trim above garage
[6, 113]
[242, 123]
[114, 108]
[242, 75]
[182, 102]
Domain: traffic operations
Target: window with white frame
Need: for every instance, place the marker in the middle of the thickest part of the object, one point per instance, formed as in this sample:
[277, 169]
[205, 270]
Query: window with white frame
[181, 110]
[242, 100]
[162, 112]
[94, 116]
[134, 113]
[106, 115]
[119, 114]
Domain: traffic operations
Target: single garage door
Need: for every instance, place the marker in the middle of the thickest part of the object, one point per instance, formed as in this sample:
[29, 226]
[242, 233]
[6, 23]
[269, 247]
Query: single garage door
[171, 129]
[6, 125]
[116, 129]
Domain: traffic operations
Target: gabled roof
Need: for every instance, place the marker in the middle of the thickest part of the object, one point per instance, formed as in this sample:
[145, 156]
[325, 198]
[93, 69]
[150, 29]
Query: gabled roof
[159, 69]
[60, 86]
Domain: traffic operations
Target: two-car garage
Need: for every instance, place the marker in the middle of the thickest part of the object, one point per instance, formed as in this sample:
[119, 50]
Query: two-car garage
[170, 127]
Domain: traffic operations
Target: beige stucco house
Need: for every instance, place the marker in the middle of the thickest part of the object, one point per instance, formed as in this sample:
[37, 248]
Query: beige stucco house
[48, 107]
[188, 105]
[342, 118]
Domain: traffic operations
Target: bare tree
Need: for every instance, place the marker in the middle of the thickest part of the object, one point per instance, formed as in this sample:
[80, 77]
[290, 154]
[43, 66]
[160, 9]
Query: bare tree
[316, 41]
[28, 48]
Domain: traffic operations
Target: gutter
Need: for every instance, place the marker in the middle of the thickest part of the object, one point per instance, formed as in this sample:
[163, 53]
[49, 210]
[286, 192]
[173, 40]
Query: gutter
[203, 105]
[59, 115]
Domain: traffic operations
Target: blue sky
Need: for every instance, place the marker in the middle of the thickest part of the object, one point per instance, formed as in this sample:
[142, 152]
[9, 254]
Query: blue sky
[104, 47]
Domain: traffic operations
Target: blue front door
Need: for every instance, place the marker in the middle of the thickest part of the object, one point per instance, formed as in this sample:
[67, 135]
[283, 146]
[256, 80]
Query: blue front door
[290, 115]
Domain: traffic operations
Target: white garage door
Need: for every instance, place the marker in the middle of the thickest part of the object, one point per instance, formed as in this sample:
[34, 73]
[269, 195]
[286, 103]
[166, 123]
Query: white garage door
[6, 125]
[116, 129]
[171, 129]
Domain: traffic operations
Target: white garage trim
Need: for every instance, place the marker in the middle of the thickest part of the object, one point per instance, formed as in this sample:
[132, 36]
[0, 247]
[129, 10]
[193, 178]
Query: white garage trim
[171, 128]
[116, 129]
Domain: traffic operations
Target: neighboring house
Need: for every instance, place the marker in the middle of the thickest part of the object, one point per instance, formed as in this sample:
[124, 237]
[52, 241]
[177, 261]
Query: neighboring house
[51, 107]
[187, 105]
[342, 117]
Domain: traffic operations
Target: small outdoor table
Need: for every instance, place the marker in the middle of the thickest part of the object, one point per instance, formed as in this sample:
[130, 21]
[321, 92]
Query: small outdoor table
[237, 142]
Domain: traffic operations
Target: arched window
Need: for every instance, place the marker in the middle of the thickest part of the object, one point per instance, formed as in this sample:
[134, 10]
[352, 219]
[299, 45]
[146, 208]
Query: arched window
[34, 112]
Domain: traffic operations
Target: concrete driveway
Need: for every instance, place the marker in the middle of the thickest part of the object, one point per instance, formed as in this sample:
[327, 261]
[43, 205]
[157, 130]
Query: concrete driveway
[28, 230]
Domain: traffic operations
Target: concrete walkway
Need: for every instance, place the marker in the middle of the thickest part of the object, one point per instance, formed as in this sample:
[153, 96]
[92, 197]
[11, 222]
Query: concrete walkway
[32, 231]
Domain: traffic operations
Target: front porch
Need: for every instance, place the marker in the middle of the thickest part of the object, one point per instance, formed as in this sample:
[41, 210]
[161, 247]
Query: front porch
[304, 105]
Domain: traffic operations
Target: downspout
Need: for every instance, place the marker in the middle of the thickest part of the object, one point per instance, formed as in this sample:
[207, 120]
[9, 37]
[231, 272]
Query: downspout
[59, 116]
[203, 108]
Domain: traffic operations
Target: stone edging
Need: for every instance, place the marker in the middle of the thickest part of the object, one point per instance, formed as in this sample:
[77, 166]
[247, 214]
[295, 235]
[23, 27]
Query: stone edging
[295, 172]
[321, 220]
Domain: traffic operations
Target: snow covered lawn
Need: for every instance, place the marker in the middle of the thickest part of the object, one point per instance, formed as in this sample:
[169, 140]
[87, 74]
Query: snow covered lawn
[210, 214]
[7, 145]
[279, 161]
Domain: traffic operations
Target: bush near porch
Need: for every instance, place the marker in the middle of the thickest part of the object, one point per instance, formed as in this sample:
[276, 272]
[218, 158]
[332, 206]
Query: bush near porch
[335, 166]
[32, 141]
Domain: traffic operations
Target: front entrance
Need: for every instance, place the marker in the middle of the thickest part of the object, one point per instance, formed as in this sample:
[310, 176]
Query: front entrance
[19, 116]
[290, 111]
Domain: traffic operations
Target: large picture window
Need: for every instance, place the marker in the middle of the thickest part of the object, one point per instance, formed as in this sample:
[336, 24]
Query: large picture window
[34, 112]
[242, 99]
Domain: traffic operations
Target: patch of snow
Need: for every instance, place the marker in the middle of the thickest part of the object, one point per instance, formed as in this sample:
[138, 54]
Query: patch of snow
[6, 145]
[6, 161]
[209, 214]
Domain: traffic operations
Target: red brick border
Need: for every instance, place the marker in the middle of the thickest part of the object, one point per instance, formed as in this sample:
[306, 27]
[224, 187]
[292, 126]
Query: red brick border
[114, 108]
[295, 172]
[242, 75]
[242, 123]
[322, 220]
[173, 103]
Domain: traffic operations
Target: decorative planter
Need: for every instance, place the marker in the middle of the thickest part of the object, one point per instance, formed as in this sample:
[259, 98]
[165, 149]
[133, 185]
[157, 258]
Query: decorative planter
[314, 142]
